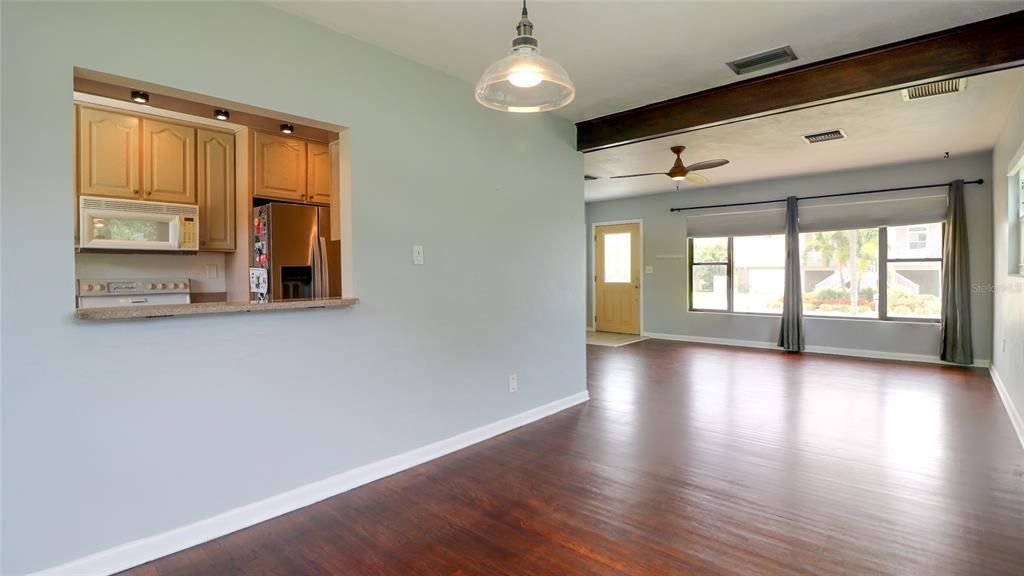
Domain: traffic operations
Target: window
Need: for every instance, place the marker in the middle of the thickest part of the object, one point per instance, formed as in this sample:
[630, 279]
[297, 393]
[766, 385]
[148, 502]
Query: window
[1020, 218]
[917, 237]
[617, 256]
[913, 273]
[759, 273]
[840, 273]
[709, 273]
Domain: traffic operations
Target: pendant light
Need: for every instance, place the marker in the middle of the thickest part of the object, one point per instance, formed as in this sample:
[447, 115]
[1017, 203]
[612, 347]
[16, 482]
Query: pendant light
[525, 81]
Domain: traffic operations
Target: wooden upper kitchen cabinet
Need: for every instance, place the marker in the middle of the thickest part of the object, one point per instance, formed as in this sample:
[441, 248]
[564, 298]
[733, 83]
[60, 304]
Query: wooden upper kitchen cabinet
[108, 154]
[318, 168]
[216, 188]
[280, 172]
[168, 162]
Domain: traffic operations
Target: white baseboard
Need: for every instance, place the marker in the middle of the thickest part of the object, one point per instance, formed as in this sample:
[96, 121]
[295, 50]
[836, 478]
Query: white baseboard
[150, 548]
[855, 352]
[1011, 409]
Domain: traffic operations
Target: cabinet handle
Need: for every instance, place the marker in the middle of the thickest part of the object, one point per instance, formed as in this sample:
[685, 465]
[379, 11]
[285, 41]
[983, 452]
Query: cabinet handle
[149, 192]
[136, 192]
[202, 242]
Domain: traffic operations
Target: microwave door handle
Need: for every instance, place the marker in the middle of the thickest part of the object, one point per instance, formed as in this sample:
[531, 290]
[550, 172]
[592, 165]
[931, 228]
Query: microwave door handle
[174, 232]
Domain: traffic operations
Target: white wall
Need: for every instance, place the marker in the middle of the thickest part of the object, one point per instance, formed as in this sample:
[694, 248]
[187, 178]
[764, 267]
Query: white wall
[665, 291]
[117, 431]
[1008, 332]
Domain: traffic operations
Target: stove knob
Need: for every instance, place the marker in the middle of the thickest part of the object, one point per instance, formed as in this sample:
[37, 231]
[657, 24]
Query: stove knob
[101, 287]
[88, 287]
[174, 285]
[162, 286]
[151, 286]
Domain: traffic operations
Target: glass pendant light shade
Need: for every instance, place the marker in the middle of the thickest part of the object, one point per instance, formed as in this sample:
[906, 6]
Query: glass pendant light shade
[525, 81]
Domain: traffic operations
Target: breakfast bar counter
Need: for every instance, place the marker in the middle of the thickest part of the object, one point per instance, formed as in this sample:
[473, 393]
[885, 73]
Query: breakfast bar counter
[172, 310]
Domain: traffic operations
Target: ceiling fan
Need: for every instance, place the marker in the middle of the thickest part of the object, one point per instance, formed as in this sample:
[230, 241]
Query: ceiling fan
[681, 172]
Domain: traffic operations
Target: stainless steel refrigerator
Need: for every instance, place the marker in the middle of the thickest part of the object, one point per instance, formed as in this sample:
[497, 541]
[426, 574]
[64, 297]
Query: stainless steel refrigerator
[293, 243]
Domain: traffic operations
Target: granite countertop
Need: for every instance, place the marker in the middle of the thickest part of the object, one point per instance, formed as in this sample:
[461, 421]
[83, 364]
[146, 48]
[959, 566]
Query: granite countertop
[171, 310]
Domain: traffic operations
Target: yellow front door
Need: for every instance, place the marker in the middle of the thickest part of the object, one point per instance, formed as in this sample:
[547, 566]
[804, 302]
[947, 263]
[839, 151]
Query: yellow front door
[617, 271]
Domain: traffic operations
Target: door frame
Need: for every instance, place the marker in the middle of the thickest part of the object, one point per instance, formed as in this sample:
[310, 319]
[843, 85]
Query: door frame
[593, 269]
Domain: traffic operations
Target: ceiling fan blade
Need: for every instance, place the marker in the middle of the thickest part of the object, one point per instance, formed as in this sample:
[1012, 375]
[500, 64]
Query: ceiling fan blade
[635, 175]
[694, 178]
[708, 164]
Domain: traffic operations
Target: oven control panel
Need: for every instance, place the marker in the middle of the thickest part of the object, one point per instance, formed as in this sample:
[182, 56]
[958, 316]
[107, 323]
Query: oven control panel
[105, 287]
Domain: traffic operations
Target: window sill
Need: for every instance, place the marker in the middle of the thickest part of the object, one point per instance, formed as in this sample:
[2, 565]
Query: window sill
[207, 308]
[817, 317]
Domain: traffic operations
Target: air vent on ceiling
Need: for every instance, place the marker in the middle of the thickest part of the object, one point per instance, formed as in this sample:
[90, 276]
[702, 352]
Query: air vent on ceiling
[934, 89]
[589, 177]
[756, 62]
[824, 136]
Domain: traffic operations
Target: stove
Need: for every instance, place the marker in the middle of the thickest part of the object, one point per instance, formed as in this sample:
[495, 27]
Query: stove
[102, 293]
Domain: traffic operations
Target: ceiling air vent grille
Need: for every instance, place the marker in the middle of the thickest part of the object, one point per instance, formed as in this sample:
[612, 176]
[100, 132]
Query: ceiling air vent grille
[763, 60]
[934, 89]
[824, 136]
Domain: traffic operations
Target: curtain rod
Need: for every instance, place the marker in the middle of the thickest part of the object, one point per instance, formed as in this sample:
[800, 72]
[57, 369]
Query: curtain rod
[978, 181]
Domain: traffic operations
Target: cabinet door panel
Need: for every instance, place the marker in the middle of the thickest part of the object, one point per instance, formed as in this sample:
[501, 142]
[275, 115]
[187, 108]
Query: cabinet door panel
[108, 154]
[280, 168]
[216, 159]
[168, 162]
[318, 167]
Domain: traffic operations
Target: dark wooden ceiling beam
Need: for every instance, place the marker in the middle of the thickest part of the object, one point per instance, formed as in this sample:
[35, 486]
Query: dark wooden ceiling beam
[975, 48]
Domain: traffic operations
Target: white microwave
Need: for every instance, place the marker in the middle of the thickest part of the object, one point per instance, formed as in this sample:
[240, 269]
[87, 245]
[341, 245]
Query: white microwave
[110, 224]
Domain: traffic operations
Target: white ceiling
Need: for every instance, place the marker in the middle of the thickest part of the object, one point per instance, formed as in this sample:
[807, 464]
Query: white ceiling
[626, 54]
[880, 129]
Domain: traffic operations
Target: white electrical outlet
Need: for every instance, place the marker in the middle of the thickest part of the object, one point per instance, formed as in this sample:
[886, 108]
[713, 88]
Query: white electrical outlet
[417, 254]
[513, 383]
[650, 269]
[211, 271]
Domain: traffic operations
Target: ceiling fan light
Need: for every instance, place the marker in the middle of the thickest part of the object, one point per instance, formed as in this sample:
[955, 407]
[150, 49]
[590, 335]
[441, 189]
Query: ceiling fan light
[677, 178]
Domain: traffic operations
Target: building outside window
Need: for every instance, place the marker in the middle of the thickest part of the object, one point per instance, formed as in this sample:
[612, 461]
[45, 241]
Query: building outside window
[917, 237]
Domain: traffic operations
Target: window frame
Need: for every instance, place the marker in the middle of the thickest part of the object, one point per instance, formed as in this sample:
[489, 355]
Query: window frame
[728, 275]
[883, 275]
[1020, 221]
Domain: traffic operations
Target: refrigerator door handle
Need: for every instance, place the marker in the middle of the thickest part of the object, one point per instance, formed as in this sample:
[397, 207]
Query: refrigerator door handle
[314, 255]
[325, 280]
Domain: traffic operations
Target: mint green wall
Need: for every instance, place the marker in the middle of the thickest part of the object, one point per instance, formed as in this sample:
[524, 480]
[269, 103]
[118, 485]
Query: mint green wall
[1008, 333]
[106, 439]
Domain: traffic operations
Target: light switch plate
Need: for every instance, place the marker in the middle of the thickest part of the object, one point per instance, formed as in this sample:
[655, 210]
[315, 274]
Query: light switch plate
[417, 254]
[649, 269]
[211, 271]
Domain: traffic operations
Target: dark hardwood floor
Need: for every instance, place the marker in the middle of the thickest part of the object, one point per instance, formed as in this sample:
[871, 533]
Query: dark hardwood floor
[689, 459]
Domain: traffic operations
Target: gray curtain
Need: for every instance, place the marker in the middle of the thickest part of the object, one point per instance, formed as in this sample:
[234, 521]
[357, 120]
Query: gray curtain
[791, 334]
[956, 284]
